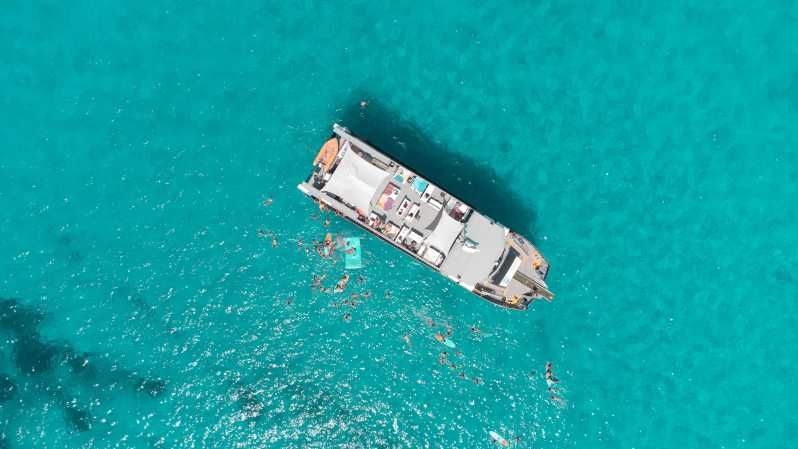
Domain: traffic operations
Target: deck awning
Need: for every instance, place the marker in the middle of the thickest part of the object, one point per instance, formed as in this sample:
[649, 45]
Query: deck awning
[445, 233]
[355, 180]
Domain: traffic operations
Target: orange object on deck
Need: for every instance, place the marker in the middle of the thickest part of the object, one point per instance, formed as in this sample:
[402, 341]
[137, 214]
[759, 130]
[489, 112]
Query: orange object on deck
[327, 153]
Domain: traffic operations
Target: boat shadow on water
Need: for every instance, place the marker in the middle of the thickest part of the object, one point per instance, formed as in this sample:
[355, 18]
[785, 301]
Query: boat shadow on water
[476, 184]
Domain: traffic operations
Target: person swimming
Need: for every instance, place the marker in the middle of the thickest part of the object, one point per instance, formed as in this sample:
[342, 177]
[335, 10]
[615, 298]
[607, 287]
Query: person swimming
[341, 285]
[317, 280]
[558, 401]
[550, 379]
[267, 202]
[406, 338]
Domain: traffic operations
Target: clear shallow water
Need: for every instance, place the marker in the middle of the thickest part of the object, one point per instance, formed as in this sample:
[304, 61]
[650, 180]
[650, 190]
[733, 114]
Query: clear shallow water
[648, 150]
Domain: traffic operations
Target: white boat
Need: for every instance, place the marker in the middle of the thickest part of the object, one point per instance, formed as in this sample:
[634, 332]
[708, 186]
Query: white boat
[407, 210]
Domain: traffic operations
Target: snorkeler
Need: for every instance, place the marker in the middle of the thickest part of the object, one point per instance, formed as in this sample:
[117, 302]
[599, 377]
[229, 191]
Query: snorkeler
[267, 202]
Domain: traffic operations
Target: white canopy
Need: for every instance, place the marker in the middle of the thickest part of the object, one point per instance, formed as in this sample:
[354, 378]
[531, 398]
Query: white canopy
[445, 233]
[355, 180]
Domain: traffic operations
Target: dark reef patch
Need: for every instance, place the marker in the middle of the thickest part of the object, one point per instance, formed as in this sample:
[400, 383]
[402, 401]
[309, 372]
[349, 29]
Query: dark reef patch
[467, 179]
[75, 256]
[249, 402]
[78, 418]
[153, 387]
[32, 356]
[7, 388]
[18, 319]
[44, 361]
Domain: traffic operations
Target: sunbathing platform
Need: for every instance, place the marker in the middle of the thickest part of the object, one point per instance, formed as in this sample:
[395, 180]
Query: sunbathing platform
[398, 205]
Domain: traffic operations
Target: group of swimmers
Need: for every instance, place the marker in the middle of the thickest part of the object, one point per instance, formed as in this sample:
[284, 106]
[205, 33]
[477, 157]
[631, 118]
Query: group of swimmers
[443, 356]
[340, 286]
[551, 383]
[325, 248]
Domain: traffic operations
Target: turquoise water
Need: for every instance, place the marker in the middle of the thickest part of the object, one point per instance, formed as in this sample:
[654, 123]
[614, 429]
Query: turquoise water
[648, 150]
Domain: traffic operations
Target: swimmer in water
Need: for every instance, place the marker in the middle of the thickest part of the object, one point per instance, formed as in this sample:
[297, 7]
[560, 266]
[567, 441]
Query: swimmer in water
[364, 104]
[360, 279]
[474, 330]
[262, 233]
[366, 294]
[550, 379]
[267, 202]
[299, 243]
[406, 338]
[326, 221]
[347, 316]
[317, 280]
[274, 241]
[387, 294]
[341, 285]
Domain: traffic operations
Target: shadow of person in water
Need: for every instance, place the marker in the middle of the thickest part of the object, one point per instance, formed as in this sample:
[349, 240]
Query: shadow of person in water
[467, 179]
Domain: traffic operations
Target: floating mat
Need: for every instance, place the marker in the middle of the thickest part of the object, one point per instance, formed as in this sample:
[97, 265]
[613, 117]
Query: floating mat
[352, 253]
